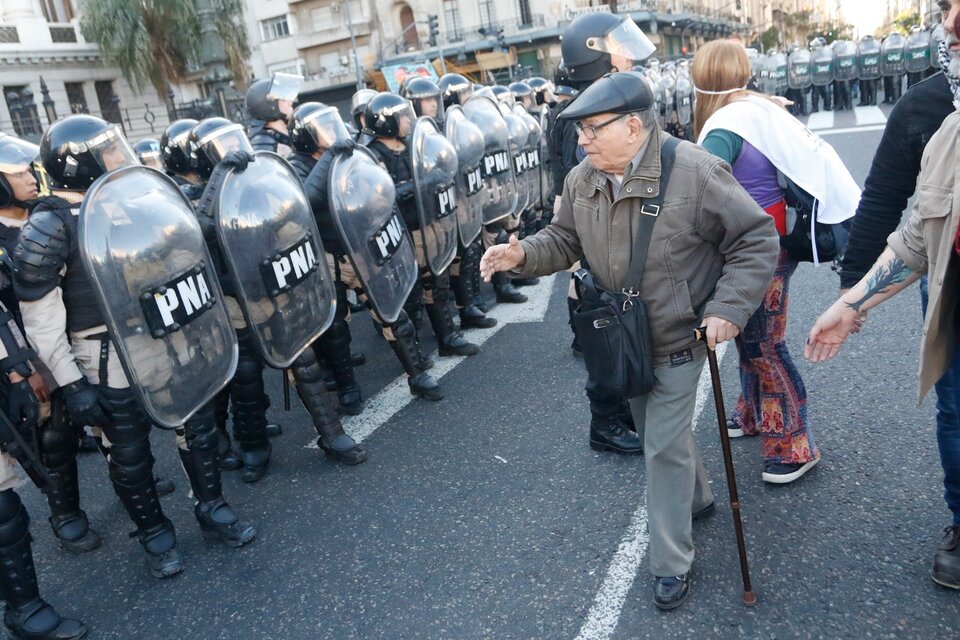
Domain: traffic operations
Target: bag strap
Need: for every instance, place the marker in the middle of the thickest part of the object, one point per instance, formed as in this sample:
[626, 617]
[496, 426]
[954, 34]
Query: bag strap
[650, 211]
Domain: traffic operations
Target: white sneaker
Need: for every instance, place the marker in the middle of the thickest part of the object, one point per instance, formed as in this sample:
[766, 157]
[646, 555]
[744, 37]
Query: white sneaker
[787, 473]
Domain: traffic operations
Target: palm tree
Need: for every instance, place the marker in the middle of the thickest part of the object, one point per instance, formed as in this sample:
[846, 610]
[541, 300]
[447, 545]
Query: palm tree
[154, 41]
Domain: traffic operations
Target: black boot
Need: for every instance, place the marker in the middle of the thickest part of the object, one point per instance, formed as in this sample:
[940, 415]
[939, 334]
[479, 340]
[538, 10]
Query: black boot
[333, 441]
[611, 434]
[27, 615]
[506, 292]
[230, 460]
[474, 254]
[406, 349]
[67, 519]
[450, 341]
[249, 407]
[201, 462]
[334, 344]
[471, 317]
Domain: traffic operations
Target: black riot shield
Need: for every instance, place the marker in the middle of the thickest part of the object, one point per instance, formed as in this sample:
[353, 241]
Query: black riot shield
[845, 60]
[891, 57]
[779, 72]
[868, 60]
[799, 74]
[499, 175]
[435, 166]
[822, 67]
[684, 98]
[547, 188]
[916, 51]
[936, 37]
[518, 155]
[363, 204]
[532, 150]
[144, 252]
[467, 139]
[269, 239]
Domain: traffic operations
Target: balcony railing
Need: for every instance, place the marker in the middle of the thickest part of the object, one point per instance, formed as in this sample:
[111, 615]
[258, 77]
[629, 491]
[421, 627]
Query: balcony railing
[9, 34]
[63, 33]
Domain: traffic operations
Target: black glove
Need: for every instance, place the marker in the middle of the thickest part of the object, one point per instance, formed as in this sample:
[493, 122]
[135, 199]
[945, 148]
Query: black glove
[85, 404]
[237, 160]
[345, 147]
[22, 403]
[405, 191]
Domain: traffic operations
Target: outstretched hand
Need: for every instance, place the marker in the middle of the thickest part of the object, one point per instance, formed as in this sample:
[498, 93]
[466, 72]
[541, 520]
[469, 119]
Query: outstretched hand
[830, 331]
[501, 257]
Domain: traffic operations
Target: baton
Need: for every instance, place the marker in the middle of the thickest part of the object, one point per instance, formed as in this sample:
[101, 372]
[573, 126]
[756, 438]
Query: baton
[286, 389]
[749, 598]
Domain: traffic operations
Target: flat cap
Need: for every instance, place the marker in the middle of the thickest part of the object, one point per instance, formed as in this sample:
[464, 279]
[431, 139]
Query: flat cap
[621, 92]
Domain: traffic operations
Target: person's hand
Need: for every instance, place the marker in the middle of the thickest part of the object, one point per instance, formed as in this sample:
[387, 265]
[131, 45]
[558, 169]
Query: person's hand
[501, 257]
[719, 330]
[861, 316]
[344, 147]
[22, 404]
[829, 332]
[782, 101]
[40, 387]
[237, 159]
[85, 404]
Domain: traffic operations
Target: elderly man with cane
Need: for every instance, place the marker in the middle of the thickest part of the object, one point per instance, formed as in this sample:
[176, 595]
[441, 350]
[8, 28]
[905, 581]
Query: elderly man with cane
[666, 229]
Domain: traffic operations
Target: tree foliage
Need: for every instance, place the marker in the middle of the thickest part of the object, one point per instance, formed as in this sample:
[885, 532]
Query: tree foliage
[904, 20]
[155, 41]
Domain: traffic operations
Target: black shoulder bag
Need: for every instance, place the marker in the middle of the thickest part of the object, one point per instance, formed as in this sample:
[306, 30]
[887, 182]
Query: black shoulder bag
[613, 328]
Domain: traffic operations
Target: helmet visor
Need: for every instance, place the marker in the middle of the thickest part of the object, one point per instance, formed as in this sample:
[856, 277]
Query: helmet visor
[326, 127]
[429, 106]
[219, 142]
[110, 149]
[625, 40]
[16, 155]
[285, 86]
[151, 159]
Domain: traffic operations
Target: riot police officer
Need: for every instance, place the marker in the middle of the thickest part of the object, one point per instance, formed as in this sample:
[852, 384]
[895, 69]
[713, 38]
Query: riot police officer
[598, 43]
[542, 90]
[317, 140]
[389, 119]
[219, 146]
[357, 104]
[148, 153]
[270, 103]
[424, 95]
[27, 616]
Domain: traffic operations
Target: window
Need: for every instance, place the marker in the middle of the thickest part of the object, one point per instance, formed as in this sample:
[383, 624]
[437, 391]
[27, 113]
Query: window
[451, 15]
[57, 10]
[23, 111]
[76, 97]
[274, 28]
[321, 18]
[525, 18]
[487, 15]
[109, 101]
[291, 67]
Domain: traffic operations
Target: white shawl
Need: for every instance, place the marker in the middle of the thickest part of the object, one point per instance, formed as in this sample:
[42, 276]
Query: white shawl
[795, 151]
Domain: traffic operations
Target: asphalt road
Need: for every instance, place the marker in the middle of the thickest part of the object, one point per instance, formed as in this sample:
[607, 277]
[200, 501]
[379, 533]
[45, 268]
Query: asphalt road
[487, 516]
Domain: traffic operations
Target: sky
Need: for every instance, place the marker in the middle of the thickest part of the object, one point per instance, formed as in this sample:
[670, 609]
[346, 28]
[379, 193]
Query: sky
[865, 15]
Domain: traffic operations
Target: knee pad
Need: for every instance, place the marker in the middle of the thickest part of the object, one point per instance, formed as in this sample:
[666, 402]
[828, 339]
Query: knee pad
[200, 431]
[130, 423]
[14, 521]
[306, 369]
[131, 463]
[403, 328]
[58, 442]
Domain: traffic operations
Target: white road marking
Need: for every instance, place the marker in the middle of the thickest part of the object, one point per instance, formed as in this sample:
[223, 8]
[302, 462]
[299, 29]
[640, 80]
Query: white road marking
[820, 120]
[869, 115]
[605, 613]
[834, 132]
[395, 396]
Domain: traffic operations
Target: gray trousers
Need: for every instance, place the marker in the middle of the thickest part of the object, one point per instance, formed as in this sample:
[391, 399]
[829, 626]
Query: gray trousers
[677, 483]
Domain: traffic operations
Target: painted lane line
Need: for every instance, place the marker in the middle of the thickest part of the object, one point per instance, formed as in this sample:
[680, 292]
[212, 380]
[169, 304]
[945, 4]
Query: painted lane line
[834, 132]
[395, 396]
[820, 120]
[605, 613]
[869, 115]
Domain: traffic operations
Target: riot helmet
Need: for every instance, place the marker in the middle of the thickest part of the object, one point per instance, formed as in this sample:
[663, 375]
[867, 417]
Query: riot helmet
[424, 95]
[523, 94]
[388, 116]
[315, 127]
[358, 103]
[455, 89]
[273, 99]
[502, 94]
[148, 152]
[566, 92]
[78, 149]
[596, 43]
[174, 147]
[212, 139]
[16, 158]
[542, 89]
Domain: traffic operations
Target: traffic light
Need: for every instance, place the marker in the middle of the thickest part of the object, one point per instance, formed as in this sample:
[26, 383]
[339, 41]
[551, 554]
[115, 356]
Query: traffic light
[434, 29]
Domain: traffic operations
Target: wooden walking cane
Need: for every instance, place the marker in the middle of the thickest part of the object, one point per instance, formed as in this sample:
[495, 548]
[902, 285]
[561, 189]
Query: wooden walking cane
[749, 598]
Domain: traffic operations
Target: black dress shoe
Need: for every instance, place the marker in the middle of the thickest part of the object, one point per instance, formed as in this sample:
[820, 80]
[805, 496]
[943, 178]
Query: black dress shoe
[946, 561]
[472, 317]
[705, 513]
[613, 435]
[671, 592]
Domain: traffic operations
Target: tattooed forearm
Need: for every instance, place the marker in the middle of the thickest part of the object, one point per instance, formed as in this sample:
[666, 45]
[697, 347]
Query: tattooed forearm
[886, 276]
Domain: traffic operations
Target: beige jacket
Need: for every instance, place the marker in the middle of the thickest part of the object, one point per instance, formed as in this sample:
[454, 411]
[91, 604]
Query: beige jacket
[925, 243]
[713, 250]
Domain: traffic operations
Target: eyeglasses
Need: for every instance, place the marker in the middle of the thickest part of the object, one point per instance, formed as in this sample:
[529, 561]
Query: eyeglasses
[590, 131]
